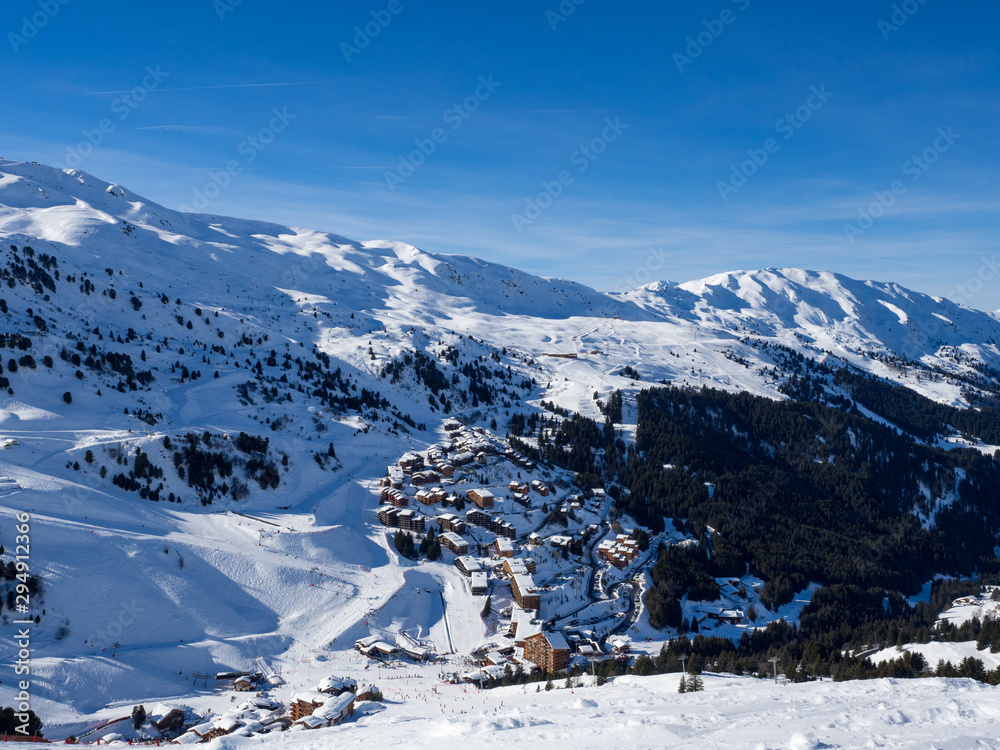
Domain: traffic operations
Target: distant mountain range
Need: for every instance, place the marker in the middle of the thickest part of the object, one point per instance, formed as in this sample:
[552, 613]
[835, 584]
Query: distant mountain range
[386, 297]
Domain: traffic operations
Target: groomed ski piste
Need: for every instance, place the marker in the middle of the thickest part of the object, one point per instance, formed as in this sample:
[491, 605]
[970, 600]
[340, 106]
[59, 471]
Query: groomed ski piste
[146, 602]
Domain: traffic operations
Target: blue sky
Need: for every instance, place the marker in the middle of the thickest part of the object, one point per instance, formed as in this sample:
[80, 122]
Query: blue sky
[600, 142]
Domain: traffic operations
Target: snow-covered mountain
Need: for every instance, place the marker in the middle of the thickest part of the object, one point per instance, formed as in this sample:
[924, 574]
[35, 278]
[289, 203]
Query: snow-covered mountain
[277, 278]
[138, 339]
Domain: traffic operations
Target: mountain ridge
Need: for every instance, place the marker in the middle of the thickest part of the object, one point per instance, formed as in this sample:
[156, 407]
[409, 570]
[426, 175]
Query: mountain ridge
[818, 313]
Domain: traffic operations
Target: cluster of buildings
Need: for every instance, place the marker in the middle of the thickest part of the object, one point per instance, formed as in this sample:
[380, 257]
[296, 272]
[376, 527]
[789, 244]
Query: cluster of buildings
[374, 647]
[332, 702]
[619, 551]
[525, 488]
[516, 458]
[463, 446]
[257, 715]
[534, 650]
[495, 524]
[534, 647]
[407, 520]
[520, 492]
[451, 522]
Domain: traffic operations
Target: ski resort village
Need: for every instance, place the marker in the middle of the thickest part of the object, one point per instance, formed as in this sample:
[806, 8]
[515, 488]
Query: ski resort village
[264, 485]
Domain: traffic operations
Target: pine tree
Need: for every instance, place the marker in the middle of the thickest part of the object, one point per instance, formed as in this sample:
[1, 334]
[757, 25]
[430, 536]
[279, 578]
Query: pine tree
[683, 686]
[404, 544]
[548, 684]
[138, 716]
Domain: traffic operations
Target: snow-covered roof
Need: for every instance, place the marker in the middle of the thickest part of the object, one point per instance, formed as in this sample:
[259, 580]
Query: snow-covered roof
[517, 567]
[496, 657]
[247, 729]
[335, 683]
[525, 583]
[556, 640]
[336, 705]
[520, 616]
[203, 728]
[226, 723]
[313, 721]
[310, 696]
[160, 711]
[453, 538]
[528, 629]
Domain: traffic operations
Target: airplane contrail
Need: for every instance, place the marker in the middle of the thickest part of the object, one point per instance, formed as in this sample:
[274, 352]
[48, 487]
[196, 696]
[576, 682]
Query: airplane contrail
[223, 86]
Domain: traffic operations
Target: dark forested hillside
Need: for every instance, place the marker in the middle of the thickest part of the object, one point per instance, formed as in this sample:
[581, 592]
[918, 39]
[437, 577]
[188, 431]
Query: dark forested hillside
[806, 491]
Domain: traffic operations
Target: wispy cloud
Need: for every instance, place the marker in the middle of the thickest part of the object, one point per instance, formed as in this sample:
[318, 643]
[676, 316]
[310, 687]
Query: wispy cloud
[220, 86]
[209, 130]
[564, 111]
